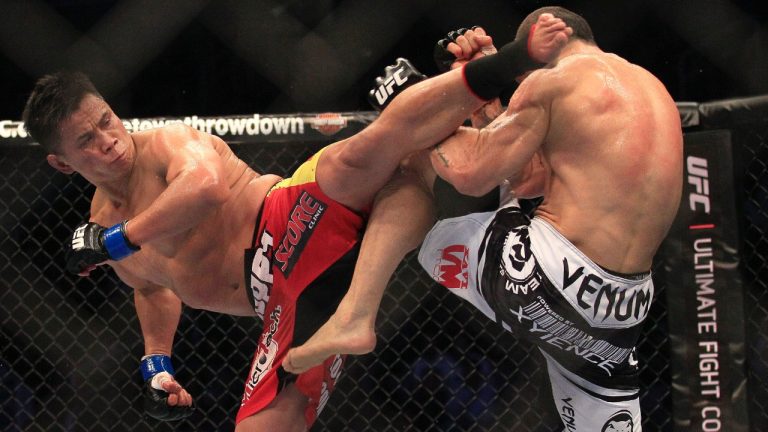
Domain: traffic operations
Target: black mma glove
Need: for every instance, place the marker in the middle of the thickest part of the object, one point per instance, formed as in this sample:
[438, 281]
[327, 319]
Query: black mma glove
[153, 370]
[444, 58]
[93, 244]
[397, 77]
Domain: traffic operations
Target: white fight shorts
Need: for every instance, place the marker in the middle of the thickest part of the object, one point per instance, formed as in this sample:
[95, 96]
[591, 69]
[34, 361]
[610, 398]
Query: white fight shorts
[585, 320]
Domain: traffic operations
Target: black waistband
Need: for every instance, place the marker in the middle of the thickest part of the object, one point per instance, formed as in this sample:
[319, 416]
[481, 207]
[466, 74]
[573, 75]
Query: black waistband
[630, 276]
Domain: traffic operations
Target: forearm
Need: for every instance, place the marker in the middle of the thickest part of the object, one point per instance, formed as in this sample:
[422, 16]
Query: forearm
[186, 202]
[158, 311]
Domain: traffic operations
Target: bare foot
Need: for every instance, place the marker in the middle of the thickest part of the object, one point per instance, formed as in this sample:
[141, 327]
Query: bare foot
[337, 336]
[549, 37]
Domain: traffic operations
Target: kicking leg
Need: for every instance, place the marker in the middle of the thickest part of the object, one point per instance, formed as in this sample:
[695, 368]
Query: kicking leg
[402, 215]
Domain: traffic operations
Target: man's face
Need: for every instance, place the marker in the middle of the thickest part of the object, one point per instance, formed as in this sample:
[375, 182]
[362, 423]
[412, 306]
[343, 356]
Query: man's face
[94, 142]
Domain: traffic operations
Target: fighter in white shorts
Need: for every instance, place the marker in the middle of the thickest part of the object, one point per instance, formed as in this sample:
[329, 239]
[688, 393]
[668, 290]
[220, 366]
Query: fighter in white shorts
[585, 320]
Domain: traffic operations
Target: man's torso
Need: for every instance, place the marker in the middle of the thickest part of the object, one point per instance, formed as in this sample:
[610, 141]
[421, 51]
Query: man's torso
[614, 147]
[202, 265]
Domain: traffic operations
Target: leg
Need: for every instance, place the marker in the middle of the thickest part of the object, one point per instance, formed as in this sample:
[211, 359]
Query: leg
[354, 170]
[284, 414]
[402, 215]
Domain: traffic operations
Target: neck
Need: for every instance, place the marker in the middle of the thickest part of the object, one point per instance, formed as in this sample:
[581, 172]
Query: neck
[578, 47]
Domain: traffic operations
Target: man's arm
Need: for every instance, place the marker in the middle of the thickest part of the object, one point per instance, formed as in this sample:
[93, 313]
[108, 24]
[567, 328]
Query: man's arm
[159, 311]
[475, 161]
[196, 186]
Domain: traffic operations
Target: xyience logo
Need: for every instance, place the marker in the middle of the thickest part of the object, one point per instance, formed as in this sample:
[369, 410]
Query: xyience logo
[619, 422]
[451, 271]
[304, 218]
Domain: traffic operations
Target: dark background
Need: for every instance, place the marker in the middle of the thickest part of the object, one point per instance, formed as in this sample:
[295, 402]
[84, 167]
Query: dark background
[69, 347]
[194, 57]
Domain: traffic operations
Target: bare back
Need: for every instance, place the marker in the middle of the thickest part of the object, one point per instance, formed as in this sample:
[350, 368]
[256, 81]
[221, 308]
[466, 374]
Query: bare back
[202, 265]
[614, 149]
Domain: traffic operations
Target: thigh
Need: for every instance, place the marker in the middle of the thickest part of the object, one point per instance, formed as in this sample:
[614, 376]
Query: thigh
[284, 414]
[352, 171]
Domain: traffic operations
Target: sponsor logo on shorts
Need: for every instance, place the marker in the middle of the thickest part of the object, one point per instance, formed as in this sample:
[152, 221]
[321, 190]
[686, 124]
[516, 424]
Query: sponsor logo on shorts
[619, 422]
[518, 263]
[329, 123]
[265, 355]
[568, 414]
[330, 382]
[261, 275]
[605, 303]
[549, 327]
[452, 269]
[306, 214]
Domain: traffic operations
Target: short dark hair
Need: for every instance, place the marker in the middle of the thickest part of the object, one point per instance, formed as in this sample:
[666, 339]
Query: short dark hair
[54, 98]
[581, 29]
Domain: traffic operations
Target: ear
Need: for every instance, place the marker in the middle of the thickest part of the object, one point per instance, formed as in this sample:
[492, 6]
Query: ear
[59, 164]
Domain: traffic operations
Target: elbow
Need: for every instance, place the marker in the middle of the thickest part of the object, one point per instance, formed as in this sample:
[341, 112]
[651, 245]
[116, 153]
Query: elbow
[212, 189]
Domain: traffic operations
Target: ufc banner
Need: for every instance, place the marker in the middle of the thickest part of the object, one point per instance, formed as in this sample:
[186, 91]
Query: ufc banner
[704, 292]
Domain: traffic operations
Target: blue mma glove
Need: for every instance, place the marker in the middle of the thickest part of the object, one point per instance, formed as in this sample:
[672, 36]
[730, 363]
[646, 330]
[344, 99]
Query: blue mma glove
[396, 78]
[155, 369]
[93, 244]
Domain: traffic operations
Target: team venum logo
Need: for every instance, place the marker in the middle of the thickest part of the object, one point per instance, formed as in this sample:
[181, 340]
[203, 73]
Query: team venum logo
[303, 220]
[619, 422]
[518, 262]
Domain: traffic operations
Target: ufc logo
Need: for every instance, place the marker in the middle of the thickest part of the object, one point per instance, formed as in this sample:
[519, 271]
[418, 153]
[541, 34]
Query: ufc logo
[385, 90]
[698, 177]
[78, 240]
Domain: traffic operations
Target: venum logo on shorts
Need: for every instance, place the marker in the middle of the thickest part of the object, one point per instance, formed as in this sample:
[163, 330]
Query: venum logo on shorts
[265, 356]
[518, 262]
[304, 217]
[261, 275]
[619, 422]
[606, 304]
[568, 414]
[451, 271]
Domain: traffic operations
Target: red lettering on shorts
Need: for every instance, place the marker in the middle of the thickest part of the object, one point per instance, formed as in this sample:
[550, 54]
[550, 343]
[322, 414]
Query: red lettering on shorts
[303, 219]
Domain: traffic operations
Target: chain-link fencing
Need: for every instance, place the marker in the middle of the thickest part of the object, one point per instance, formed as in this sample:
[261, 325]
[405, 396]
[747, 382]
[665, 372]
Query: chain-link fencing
[70, 347]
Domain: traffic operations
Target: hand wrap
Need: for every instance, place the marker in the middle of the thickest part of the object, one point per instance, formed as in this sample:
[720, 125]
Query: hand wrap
[154, 368]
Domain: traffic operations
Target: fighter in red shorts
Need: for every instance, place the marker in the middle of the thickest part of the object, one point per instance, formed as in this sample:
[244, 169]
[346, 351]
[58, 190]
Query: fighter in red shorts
[173, 211]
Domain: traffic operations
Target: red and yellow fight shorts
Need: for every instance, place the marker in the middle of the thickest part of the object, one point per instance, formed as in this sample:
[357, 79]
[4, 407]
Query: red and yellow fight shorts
[300, 266]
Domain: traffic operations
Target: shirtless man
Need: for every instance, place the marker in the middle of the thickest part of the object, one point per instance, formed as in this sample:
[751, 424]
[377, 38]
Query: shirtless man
[575, 280]
[174, 210]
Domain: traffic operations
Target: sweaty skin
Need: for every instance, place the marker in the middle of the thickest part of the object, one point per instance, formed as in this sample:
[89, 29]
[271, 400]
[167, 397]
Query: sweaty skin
[405, 214]
[191, 206]
[610, 135]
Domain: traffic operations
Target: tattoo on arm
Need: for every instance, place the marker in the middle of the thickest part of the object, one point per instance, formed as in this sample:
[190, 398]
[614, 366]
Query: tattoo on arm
[441, 155]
